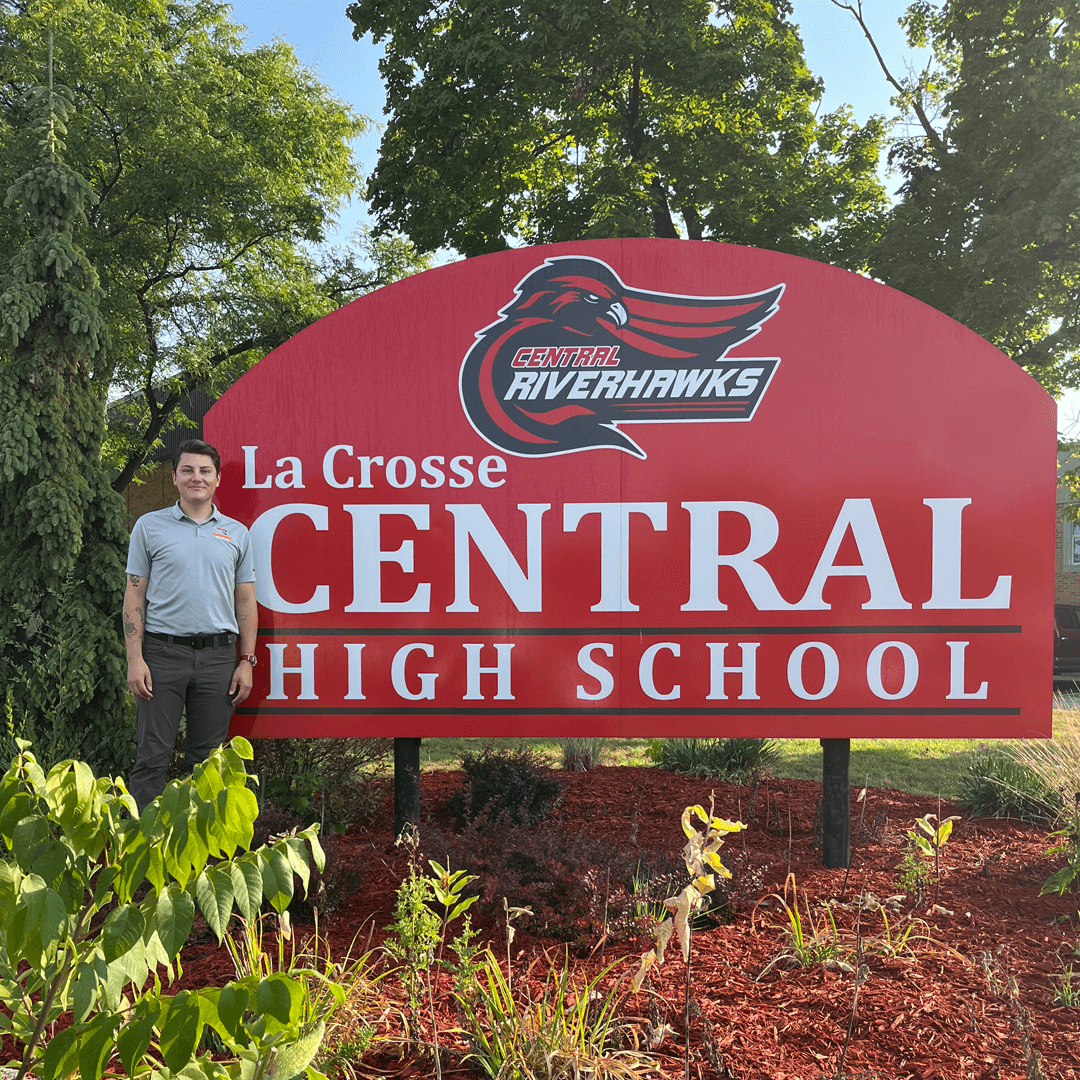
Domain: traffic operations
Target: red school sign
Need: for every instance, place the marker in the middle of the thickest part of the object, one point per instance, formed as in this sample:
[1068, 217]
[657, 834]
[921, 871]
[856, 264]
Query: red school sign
[638, 488]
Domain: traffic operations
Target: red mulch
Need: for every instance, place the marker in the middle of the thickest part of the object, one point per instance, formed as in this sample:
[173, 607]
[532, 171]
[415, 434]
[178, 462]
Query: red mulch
[934, 1011]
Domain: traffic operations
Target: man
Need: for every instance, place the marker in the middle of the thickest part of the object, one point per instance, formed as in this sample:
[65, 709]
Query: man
[190, 594]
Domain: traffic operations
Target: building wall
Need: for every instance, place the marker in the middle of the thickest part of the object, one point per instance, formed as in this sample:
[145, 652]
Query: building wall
[154, 493]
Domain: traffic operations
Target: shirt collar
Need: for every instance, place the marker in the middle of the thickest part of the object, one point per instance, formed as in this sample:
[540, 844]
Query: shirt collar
[181, 516]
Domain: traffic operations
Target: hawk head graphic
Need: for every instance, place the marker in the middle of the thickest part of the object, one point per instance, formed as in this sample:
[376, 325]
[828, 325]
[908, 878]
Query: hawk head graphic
[576, 352]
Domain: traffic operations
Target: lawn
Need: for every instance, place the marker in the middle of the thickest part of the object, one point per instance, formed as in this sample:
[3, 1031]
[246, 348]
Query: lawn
[917, 766]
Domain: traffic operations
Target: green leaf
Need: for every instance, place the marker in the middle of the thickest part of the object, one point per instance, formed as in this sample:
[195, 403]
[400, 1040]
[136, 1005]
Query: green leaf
[123, 927]
[214, 892]
[277, 878]
[181, 1030]
[232, 1002]
[133, 869]
[279, 997]
[133, 1042]
[173, 919]
[61, 1055]
[96, 1044]
[89, 976]
[247, 886]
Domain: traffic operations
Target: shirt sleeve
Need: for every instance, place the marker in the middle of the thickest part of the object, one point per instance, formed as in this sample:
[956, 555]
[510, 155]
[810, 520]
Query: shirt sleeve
[245, 565]
[138, 560]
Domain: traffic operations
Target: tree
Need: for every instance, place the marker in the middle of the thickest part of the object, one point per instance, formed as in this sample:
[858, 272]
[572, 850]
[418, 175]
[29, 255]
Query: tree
[215, 172]
[986, 227]
[62, 536]
[551, 120]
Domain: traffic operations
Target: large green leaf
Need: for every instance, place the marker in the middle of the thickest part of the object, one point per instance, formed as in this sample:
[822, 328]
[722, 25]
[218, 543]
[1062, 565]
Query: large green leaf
[181, 1030]
[232, 1002]
[61, 1055]
[90, 974]
[133, 1041]
[247, 885]
[277, 877]
[96, 1044]
[173, 919]
[124, 926]
[281, 998]
[214, 892]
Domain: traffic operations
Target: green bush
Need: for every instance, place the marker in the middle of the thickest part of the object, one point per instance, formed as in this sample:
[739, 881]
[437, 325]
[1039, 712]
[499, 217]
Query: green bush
[323, 780]
[998, 784]
[504, 783]
[737, 760]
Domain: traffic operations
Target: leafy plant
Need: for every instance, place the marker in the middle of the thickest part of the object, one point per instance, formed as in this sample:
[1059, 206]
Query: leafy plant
[336, 1000]
[702, 860]
[807, 941]
[721, 759]
[567, 1030]
[501, 782]
[1066, 987]
[1064, 879]
[96, 901]
[913, 874]
[581, 754]
[997, 783]
[418, 929]
[928, 837]
[324, 780]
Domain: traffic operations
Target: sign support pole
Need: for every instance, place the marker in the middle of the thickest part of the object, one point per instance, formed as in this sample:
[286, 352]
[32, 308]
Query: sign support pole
[406, 783]
[836, 802]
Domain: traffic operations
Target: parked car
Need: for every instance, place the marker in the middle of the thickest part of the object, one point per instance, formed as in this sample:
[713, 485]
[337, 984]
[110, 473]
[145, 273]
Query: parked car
[1067, 643]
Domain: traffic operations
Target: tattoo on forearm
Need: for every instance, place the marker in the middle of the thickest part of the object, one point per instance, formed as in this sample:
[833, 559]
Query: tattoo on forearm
[132, 626]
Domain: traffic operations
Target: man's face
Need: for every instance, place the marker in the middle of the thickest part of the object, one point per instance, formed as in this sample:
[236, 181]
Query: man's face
[196, 478]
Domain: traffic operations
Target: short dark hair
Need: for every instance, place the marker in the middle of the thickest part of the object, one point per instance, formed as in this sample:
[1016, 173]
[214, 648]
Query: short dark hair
[196, 446]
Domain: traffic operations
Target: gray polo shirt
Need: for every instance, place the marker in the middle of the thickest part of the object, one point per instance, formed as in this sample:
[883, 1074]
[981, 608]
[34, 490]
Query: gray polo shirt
[192, 570]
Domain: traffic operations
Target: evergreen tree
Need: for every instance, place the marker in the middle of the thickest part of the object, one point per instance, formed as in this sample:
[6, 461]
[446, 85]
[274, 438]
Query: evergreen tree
[62, 535]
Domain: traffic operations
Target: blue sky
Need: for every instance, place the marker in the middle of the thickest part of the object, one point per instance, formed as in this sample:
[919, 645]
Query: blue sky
[836, 50]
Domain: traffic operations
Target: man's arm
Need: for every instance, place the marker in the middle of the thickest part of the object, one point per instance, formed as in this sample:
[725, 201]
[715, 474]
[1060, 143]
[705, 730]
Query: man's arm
[247, 619]
[138, 676]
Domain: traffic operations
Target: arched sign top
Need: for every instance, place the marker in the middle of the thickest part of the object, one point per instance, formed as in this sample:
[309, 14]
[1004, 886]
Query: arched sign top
[644, 487]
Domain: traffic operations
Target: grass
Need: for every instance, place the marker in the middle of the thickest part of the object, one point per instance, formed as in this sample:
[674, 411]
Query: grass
[917, 766]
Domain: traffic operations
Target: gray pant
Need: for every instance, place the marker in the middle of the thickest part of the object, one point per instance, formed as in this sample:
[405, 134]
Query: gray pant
[181, 676]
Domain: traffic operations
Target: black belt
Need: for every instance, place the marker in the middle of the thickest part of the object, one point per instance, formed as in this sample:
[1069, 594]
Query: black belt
[206, 641]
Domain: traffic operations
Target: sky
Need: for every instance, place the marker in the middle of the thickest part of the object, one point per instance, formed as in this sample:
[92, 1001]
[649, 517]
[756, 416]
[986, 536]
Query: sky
[835, 49]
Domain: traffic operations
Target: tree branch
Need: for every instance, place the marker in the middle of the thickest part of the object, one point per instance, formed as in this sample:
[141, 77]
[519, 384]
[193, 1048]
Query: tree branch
[908, 95]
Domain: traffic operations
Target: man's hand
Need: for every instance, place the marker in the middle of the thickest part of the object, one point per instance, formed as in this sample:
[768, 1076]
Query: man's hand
[138, 679]
[240, 686]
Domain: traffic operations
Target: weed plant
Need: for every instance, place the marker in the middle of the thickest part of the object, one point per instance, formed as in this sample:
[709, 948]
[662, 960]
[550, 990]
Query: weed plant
[503, 783]
[580, 755]
[567, 1030]
[999, 783]
[737, 760]
[807, 941]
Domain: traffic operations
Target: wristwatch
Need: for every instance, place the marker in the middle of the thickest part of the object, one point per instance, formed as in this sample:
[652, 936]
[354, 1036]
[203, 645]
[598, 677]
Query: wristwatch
[250, 658]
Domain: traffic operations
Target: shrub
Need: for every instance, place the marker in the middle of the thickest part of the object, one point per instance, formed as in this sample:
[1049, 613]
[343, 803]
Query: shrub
[737, 760]
[580, 755]
[324, 780]
[500, 782]
[96, 900]
[997, 783]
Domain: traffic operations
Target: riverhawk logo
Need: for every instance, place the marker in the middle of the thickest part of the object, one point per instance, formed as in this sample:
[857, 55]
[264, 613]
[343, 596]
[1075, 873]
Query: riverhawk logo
[577, 354]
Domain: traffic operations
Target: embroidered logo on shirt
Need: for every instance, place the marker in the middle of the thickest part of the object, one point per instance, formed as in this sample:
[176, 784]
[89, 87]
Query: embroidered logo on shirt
[221, 534]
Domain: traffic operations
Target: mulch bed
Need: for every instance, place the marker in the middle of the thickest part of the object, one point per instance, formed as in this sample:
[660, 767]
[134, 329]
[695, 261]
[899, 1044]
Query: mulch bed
[974, 1001]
